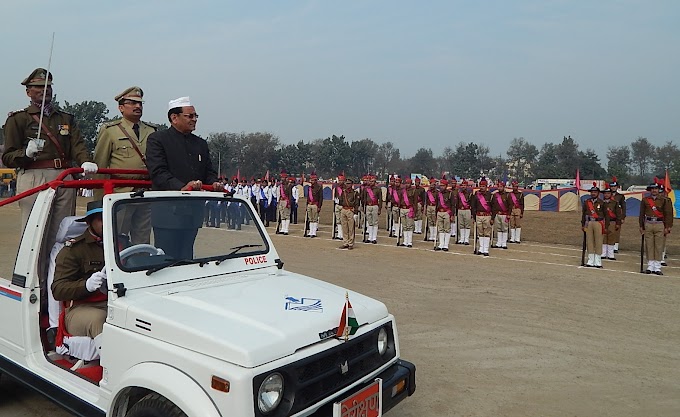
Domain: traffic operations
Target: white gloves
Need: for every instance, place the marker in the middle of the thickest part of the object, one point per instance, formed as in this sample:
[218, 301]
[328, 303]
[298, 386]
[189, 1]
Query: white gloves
[356, 218]
[32, 148]
[95, 281]
[89, 167]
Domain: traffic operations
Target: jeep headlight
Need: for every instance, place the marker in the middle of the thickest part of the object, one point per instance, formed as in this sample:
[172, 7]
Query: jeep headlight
[271, 392]
[382, 341]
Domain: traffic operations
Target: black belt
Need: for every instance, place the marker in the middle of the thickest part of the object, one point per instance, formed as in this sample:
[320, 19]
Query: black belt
[653, 219]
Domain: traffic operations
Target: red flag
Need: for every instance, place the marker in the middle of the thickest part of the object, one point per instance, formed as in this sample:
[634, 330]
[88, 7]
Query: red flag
[238, 175]
[667, 184]
[266, 176]
[578, 180]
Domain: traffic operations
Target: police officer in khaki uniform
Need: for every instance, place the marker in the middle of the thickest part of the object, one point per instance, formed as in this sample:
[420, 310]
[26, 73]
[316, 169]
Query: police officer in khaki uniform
[656, 220]
[41, 160]
[516, 198]
[121, 144]
[613, 219]
[500, 209]
[371, 198]
[431, 201]
[79, 277]
[481, 213]
[621, 200]
[593, 225]
[464, 212]
[349, 203]
[314, 203]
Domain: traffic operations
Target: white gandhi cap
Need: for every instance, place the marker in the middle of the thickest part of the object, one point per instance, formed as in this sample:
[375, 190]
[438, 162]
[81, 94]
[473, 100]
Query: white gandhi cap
[179, 102]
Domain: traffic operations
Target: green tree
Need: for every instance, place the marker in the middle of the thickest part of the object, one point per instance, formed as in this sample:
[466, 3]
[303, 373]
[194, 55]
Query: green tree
[422, 162]
[521, 159]
[472, 160]
[590, 165]
[568, 157]
[89, 116]
[363, 156]
[387, 160]
[219, 145]
[667, 157]
[642, 156]
[618, 163]
[547, 165]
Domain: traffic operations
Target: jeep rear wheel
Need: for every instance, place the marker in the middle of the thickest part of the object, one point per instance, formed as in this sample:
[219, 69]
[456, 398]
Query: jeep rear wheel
[155, 405]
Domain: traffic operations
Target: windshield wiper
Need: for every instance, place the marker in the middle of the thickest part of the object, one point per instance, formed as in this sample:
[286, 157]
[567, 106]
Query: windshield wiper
[175, 263]
[235, 249]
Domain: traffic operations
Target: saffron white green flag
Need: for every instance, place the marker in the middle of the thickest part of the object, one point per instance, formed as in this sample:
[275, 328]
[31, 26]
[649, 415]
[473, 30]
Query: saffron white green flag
[348, 322]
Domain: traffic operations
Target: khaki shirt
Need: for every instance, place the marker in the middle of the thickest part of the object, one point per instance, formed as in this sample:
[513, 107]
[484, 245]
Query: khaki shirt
[20, 127]
[77, 260]
[662, 204]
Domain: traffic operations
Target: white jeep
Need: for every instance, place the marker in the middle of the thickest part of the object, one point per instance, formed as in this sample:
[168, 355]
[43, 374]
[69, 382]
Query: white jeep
[225, 332]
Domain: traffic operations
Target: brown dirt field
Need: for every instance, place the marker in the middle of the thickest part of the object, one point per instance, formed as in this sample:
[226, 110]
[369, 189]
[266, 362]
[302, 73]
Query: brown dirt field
[524, 332]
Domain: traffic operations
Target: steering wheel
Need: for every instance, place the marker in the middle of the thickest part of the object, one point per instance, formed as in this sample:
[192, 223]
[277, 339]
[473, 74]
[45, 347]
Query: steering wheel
[141, 248]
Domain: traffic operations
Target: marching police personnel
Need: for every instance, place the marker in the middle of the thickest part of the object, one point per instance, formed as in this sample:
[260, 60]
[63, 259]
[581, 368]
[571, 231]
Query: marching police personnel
[285, 202]
[613, 218]
[593, 224]
[516, 212]
[349, 206]
[41, 161]
[445, 206]
[621, 200]
[464, 210]
[431, 201]
[337, 207]
[481, 209]
[420, 196]
[371, 198]
[314, 203]
[405, 198]
[500, 210]
[395, 200]
[388, 206]
[656, 220]
[122, 144]
[453, 185]
[662, 193]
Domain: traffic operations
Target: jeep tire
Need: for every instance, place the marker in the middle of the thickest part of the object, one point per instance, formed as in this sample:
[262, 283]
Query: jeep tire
[155, 405]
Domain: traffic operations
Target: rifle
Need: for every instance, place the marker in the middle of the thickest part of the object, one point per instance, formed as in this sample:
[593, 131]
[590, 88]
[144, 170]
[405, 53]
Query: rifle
[390, 218]
[436, 236]
[642, 251]
[474, 236]
[427, 225]
[399, 231]
[278, 222]
[583, 250]
[334, 234]
[365, 224]
[306, 222]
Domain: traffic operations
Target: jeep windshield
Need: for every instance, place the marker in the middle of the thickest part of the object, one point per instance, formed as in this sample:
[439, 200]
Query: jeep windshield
[158, 233]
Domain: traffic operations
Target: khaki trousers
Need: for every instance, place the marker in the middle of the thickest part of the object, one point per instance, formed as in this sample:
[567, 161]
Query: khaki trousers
[135, 220]
[338, 215]
[372, 215]
[431, 214]
[64, 202]
[443, 222]
[408, 222]
[483, 226]
[654, 240]
[501, 223]
[395, 215]
[86, 319]
[347, 221]
[464, 219]
[515, 219]
[610, 237]
[615, 235]
[312, 213]
[419, 212]
[594, 238]
[283, 210]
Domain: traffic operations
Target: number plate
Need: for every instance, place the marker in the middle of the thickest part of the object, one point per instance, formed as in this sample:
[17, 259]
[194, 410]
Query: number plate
[365, 403]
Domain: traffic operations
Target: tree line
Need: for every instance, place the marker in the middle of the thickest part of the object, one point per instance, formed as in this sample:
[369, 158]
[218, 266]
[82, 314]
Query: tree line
[254, 153]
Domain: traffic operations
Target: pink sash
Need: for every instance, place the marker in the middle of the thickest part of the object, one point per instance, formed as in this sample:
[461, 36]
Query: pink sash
[431, 198]
[311, 196]
[501, 203]
[411, 214]
[514, 200]
[463, 200]
[284, 197]
[370, 194]
[395, 195]
[483, 202]
[443, 204]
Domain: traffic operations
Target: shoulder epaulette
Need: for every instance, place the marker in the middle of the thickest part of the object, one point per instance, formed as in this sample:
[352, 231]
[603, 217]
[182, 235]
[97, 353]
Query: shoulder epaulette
[152, 125]
[70, 242]
[12, 113]
[113, 123]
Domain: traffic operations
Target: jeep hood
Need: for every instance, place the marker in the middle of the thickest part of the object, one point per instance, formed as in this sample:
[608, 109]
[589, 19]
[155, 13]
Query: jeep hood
[257, 319]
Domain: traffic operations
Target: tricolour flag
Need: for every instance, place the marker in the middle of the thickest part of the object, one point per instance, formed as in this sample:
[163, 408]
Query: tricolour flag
[348, 321]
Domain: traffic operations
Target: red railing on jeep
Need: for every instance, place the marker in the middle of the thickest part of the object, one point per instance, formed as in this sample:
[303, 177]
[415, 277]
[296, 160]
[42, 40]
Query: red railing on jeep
[108, 184]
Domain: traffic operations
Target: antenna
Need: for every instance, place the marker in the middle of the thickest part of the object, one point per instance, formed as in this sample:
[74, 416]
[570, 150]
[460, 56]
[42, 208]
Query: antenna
[47, 80]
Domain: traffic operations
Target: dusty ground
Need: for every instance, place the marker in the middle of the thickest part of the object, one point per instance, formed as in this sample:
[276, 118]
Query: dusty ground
[525, 332]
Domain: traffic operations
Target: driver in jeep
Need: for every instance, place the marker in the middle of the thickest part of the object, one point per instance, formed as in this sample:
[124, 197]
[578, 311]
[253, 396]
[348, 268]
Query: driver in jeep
[80, 274]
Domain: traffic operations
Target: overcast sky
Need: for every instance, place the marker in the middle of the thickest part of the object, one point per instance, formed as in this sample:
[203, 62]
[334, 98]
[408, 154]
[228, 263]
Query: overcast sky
[420, 74]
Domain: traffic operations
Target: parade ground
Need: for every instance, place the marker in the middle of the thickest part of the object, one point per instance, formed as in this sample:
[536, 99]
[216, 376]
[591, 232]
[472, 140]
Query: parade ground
[523, 332]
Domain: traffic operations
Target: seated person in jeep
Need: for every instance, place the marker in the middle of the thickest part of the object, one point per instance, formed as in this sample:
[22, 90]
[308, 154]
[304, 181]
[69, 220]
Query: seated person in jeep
[80, 274]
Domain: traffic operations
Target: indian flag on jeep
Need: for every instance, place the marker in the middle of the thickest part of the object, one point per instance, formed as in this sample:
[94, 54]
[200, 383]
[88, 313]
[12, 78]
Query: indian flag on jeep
[348, 322]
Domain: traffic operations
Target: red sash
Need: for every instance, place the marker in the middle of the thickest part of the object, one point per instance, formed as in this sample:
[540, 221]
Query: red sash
[504, 210]
[591, 208]
[611, 213]
[372, 196]
[464, 202]
[483, 202]
[652, 205]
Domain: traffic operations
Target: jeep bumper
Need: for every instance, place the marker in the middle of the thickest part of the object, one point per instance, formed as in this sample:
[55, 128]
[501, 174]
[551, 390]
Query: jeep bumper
[399, 382]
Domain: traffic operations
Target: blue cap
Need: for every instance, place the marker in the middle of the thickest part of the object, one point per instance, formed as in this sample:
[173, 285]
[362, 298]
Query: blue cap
[93, 207]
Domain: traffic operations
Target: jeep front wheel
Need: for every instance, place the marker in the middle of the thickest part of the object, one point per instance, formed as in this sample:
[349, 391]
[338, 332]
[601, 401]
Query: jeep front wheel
[155, 405]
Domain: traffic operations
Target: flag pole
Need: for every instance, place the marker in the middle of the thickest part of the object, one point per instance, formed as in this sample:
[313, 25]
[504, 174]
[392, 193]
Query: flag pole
[346, 316]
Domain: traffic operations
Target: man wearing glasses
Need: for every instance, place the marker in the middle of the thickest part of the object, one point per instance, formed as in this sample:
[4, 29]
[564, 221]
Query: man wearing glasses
[179, 160]
[121, 144]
